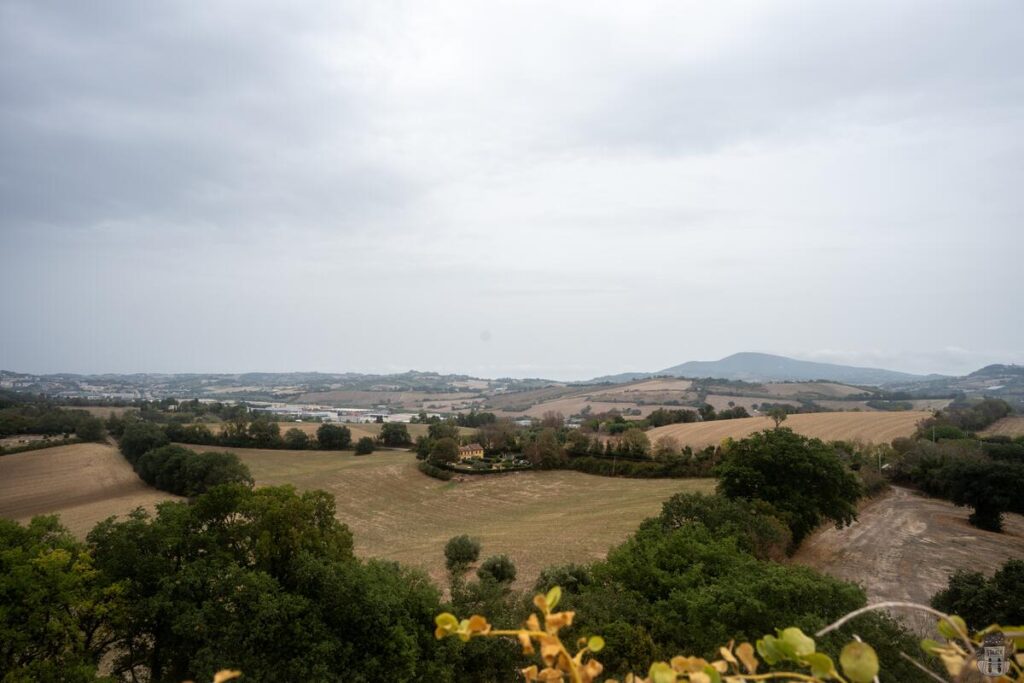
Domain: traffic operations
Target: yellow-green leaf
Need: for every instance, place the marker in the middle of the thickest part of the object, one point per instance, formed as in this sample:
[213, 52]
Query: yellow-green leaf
[553, 596]
[821, 664]
[947, 630]
[447, 620]
[859, 662]
[595, 644]
[660, 672]
[801, 644]
[930, 646]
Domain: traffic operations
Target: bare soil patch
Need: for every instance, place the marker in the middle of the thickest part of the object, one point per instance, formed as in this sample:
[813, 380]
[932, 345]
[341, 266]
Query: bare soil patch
[905, 546]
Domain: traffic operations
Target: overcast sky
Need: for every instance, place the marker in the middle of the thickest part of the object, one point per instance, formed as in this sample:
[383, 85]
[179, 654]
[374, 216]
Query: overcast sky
[509, 189]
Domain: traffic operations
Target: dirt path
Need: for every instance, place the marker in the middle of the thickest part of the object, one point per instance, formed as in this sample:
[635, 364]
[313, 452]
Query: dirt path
[905, 546]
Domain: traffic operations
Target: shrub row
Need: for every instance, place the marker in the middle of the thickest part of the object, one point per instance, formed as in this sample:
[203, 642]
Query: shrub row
[433, 471]
[39, 445]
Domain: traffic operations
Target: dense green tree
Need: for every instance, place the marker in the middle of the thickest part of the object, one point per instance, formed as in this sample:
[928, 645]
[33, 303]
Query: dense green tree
[544, 450]
[395, 434]
[296, 439]
[265, 434]
[365, 445]
[333, 437]
[264, 581]
[55, 605]
[139, 437]
[443, 430]
[803, 479]
[460, 552]
[754, 524]
[444, 450]
[90, 429]
[990, 487]
[985, 601]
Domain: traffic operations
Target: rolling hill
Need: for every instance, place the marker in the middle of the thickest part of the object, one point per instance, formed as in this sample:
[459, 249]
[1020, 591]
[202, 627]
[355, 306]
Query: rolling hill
[761, 367]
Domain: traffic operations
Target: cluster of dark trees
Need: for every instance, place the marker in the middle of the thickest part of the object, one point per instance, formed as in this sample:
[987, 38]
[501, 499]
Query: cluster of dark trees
[962, 418]
[260, 432]
[630, 454]
[982, 601]
[51, 420]
[177, 469]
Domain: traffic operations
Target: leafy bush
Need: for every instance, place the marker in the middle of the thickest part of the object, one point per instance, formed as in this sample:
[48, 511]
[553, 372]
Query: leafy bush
[296, 439]
[981, 601]
[498, 568]
[754, 525]
[365, 446]
[460, 552]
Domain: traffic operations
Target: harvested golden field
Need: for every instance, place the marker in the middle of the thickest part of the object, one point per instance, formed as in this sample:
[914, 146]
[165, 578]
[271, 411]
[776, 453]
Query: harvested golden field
[398, 513]
[651, 385]
[83, 483]
[1012, 426]
[876, 427]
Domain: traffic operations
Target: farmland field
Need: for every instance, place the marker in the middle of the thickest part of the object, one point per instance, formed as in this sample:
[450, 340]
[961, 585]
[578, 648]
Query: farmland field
[85, 483]
[1008, 426]
[822, 389]
[398, 513]
[905, 546]
[876, 427]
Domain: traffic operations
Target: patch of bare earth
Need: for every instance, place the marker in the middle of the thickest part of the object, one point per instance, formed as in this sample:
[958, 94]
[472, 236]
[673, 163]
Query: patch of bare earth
[905, 546]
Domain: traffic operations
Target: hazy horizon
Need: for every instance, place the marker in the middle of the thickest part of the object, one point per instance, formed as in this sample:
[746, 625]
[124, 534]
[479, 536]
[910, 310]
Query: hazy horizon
[511, 189]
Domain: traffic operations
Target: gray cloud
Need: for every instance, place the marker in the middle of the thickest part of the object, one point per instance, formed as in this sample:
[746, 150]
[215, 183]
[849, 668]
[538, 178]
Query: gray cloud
[342, 186]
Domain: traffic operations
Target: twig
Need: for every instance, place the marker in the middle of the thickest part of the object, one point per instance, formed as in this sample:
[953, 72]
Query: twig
[909, 605]
[922, 667]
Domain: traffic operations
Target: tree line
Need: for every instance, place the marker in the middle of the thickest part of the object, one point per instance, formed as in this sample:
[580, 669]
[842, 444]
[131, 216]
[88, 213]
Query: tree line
[46, 418]
[249, 431]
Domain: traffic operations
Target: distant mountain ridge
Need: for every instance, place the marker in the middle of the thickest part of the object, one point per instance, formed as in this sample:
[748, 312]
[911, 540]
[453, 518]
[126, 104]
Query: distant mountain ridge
[766, 367]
